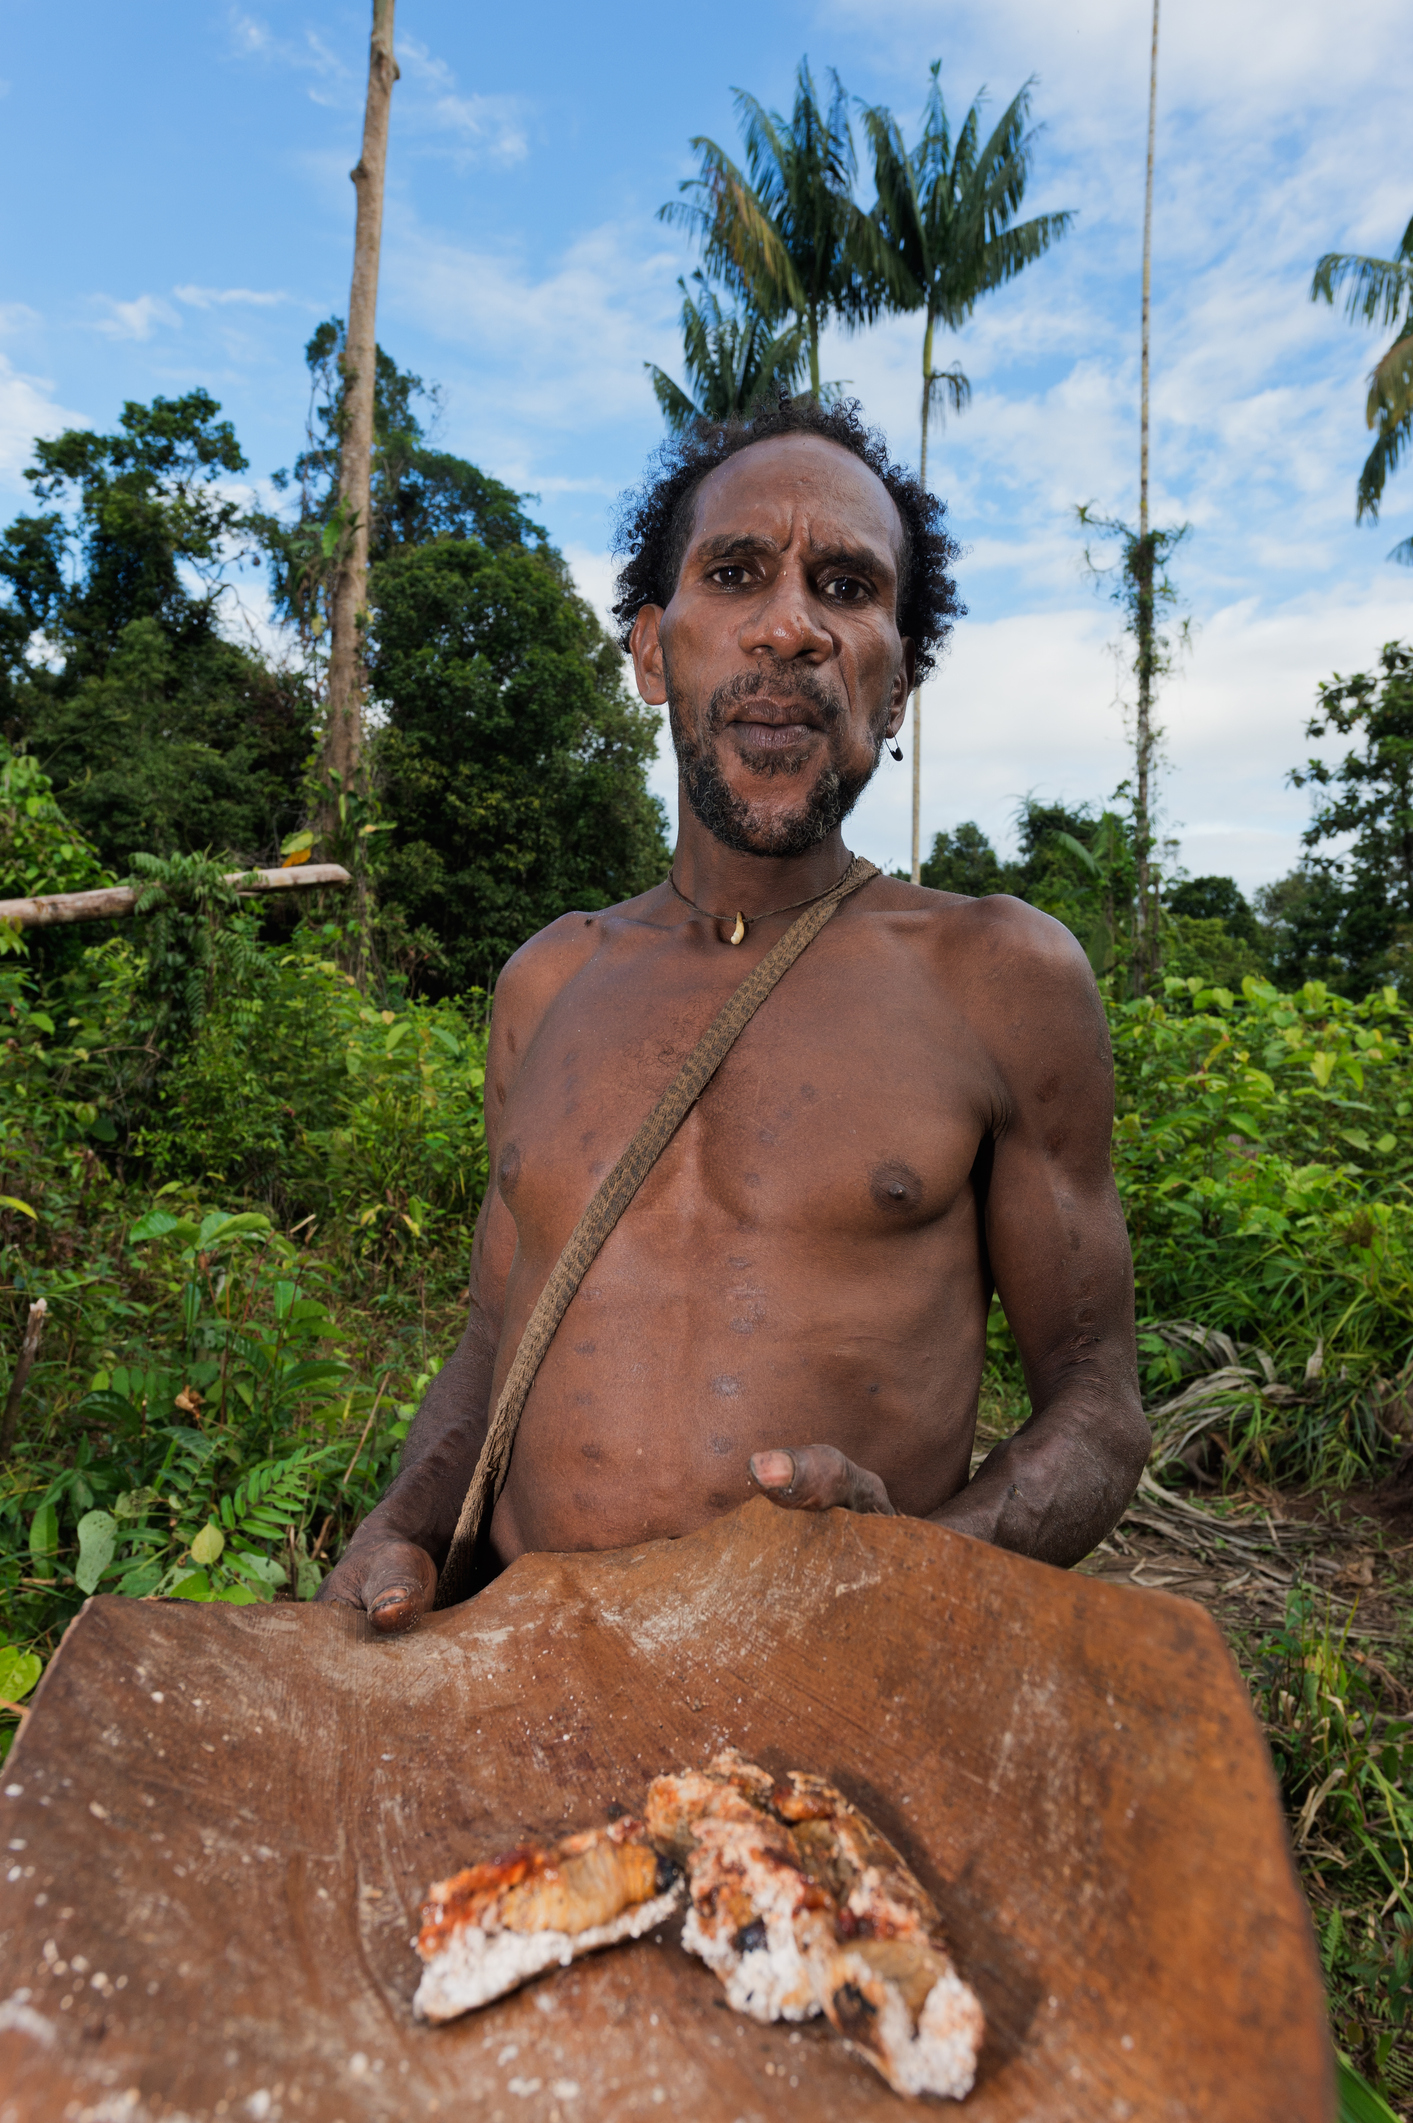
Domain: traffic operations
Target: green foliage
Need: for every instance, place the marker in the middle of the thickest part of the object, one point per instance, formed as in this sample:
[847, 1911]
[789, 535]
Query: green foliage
[1352, 914]
[1345, 1766]
[789, 240]
[513, 758]
[40, 849]
[964, 861]
[157, 731]
[1203, 948]
[734, 362]
[418, 494]
[945, 216]
[1262, 1156]
[1214, 899]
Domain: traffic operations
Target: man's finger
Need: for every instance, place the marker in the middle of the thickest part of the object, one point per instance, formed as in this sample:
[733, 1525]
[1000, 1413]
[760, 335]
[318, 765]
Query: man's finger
[816, 1478]
[399, 1586]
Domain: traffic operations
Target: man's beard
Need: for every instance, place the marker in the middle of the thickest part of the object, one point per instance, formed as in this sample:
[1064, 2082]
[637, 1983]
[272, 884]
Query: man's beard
[728, 817]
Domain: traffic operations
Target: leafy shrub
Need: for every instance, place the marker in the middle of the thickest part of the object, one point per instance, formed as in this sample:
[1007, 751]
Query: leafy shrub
[1264, 1163]
[1345, 1766]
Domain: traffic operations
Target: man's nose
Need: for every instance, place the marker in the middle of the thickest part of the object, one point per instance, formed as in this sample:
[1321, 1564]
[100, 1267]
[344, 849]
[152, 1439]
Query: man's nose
[787, 622]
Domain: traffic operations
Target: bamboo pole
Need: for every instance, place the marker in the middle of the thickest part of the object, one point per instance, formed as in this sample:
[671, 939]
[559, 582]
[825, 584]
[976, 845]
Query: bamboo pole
[343, 740]
[114, 900]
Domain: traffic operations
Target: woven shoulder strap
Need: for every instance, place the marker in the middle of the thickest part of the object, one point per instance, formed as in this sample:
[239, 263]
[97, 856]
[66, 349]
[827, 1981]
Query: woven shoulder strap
[608, 1204]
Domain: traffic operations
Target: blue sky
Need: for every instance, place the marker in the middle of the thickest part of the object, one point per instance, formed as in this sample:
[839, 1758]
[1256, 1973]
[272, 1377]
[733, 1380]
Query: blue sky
[179, 213]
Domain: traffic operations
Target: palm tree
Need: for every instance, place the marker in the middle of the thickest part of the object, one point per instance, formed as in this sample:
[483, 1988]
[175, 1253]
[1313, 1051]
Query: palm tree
[944, 213]
[789, 239]
[1378, 287]
[733, 362]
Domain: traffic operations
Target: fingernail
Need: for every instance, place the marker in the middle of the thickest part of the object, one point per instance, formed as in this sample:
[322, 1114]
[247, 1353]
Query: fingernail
[774, 1470]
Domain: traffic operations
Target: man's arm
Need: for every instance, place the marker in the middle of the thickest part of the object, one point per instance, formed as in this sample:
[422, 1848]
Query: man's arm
[1060, 1257]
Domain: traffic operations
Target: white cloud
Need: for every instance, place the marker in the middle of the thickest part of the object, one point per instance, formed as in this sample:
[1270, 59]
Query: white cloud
[554, 350]
[205, 298]
[137, 319]
[489, 126]
[27, 410]
[251, 38]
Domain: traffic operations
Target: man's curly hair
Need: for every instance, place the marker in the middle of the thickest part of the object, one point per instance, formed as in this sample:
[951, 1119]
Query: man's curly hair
[655, 519]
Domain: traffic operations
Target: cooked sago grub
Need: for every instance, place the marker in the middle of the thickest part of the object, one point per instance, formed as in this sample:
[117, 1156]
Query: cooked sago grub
[800, 1906]
[495, 1925]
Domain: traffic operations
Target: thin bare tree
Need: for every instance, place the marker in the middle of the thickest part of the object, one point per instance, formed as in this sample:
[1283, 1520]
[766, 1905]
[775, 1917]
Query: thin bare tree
[343, 739]
[1144, 737]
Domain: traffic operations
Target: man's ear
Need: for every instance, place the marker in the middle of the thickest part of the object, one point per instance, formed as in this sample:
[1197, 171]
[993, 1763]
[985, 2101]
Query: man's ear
[645, 642]
[903, 682]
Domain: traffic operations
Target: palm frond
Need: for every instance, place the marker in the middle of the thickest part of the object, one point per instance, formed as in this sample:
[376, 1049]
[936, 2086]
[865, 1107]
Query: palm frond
[1376, 287]
[733, 361]
[1383, 459]
[1391, 384]
[677, 408]
[950, 383]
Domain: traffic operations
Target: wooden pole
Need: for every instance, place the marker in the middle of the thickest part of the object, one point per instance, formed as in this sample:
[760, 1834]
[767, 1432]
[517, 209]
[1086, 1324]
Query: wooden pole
[122, 899]
[343, 740]
[917, 690]
[1143, 721]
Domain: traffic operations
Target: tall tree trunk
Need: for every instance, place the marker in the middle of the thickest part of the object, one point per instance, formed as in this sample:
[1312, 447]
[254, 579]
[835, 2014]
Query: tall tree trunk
[917, 690]
[1144, 926]
[813, 322]
[343, 740]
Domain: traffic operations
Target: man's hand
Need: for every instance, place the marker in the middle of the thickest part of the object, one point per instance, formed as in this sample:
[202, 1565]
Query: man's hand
[817, 1477]
[393, 1580]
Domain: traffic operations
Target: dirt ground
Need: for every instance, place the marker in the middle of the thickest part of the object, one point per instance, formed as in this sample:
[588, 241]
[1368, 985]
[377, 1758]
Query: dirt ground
[1239, 1556]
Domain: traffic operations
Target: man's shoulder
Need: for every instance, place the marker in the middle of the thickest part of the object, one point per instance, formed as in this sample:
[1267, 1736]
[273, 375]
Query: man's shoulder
[995, 929]
[554, 954]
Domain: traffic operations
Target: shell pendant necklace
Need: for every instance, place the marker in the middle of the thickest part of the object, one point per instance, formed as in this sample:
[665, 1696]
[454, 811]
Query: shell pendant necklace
[744, 922]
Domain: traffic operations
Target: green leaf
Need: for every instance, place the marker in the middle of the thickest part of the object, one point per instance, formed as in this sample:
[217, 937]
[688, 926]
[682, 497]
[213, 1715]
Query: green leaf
[160, 1223]
[195, 1587]
[207, 1546]
[12, 1201]
[44, 1537]
[218, 1226]
[139, 1582]
[238, 1596]
[19, 1670]
[1358, 2102]
[97, 1538]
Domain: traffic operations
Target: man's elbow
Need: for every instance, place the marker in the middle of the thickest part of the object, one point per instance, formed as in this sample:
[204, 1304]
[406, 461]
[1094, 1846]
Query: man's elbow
[1131, 1445]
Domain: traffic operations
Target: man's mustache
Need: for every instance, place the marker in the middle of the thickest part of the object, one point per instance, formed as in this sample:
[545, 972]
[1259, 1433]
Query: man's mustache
[780, 684]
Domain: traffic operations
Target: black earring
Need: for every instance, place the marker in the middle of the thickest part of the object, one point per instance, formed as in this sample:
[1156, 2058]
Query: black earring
[894, 747]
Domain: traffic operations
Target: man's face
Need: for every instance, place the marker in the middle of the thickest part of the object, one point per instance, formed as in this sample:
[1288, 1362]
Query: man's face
[779, 655]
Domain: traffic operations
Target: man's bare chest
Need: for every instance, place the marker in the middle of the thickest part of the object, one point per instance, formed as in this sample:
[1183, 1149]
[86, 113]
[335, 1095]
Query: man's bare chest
[854, 1102]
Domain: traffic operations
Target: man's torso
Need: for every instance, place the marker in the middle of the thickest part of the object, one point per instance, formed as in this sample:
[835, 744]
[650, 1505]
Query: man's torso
[806, 1259]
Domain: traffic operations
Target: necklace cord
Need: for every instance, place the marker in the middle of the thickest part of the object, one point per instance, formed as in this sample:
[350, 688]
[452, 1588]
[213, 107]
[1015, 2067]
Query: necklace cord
[748, 920]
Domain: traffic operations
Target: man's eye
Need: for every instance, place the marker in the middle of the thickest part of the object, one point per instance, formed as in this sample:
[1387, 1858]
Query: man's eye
[846, 589]
[731, 573]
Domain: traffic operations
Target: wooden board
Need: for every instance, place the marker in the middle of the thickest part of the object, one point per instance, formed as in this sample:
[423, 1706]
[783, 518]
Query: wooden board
[219, 1823]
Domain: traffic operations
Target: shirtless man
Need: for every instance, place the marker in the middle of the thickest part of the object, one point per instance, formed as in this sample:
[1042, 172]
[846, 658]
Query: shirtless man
[795, 1303]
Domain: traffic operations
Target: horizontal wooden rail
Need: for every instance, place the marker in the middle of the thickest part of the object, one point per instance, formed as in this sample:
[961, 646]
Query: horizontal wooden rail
[121, 899]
